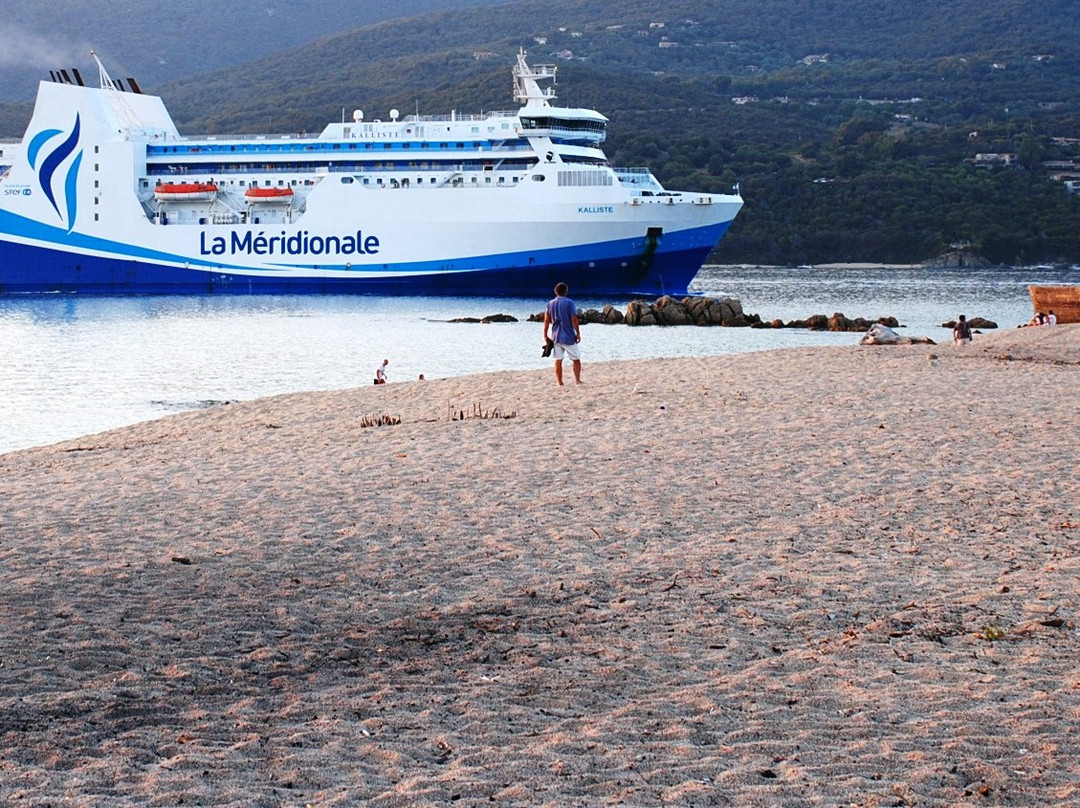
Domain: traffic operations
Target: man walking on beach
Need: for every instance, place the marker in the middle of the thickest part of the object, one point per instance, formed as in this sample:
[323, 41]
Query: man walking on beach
[561, 319]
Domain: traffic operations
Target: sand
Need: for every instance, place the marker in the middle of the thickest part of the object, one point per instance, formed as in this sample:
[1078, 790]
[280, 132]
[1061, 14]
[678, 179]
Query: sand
[826, 576]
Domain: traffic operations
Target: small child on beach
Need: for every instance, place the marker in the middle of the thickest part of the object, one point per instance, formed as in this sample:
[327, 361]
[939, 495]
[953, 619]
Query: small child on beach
[962, 331]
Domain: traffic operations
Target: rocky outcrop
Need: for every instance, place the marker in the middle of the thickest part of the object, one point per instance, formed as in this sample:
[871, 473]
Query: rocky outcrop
[958, 259]
[838, 322]
[609, 315]
[491, 318]
[974, 322]
[688, 311]
[705, 311]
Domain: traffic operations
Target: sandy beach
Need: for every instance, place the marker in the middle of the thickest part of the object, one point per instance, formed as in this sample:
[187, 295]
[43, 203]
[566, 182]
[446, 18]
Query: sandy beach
[814, 577]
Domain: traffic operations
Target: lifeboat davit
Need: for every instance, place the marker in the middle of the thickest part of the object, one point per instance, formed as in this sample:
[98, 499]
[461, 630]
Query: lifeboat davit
[185, 191]
[256, 195]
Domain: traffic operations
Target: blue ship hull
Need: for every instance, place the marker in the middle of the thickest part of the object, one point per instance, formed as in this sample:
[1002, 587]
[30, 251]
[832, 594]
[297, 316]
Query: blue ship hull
[667, 270]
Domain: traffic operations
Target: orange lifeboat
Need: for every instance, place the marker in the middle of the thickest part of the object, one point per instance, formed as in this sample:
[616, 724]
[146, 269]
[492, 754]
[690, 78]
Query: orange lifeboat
[185, 191]
[256, 195]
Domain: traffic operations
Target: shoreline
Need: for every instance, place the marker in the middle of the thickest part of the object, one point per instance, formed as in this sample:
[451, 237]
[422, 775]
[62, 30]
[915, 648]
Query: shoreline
[49, 404]
[842, 574]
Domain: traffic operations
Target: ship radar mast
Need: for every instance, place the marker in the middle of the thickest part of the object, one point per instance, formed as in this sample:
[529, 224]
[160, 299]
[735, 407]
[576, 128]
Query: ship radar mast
[103, 75]
[527, 80]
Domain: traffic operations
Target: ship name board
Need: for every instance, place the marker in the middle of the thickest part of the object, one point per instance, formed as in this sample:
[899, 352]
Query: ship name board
[595, 209]
[300, 243]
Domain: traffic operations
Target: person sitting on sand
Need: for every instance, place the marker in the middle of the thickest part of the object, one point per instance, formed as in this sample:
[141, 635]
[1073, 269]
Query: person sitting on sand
[962, 331]
[1051, 318]
[380, 372]
[1038, 318]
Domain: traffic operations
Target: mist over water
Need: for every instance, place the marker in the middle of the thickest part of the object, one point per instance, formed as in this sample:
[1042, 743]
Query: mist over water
[74, 366]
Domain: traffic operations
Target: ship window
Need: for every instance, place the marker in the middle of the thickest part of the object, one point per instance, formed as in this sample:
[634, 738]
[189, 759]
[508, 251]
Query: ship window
[346, 180]
[387, 146]
[538, 177]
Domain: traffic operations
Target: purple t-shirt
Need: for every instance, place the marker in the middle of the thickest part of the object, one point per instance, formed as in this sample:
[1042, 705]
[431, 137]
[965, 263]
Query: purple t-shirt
[561, 311]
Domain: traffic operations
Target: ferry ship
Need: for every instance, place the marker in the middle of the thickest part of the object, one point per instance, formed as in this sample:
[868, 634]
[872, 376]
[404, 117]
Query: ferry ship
[104, 196]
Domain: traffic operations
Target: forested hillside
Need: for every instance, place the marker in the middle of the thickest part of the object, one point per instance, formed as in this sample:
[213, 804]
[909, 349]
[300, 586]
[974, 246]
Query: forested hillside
[160, 42]
[857, 129]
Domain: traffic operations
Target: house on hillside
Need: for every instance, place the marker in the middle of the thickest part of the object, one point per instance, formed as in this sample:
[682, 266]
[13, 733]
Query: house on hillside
[988, 159]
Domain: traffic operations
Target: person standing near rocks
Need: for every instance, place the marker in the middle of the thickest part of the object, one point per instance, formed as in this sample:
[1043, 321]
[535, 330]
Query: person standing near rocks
[561, 319]
[961, 331]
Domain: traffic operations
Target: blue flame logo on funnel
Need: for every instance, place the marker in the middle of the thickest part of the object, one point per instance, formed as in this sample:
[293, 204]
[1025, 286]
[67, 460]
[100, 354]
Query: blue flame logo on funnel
[51, 161]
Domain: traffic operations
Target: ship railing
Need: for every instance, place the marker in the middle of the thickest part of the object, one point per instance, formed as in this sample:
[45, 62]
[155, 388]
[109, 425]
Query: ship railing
[325, 150]
[457, 118]
[300, 173]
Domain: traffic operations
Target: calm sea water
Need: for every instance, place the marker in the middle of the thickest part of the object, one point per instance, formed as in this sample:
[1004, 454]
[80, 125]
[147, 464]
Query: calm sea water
[72, 366]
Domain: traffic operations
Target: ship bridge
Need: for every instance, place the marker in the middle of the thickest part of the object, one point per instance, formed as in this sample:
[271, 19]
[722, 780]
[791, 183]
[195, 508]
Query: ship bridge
[538, 118]
[563, 124]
